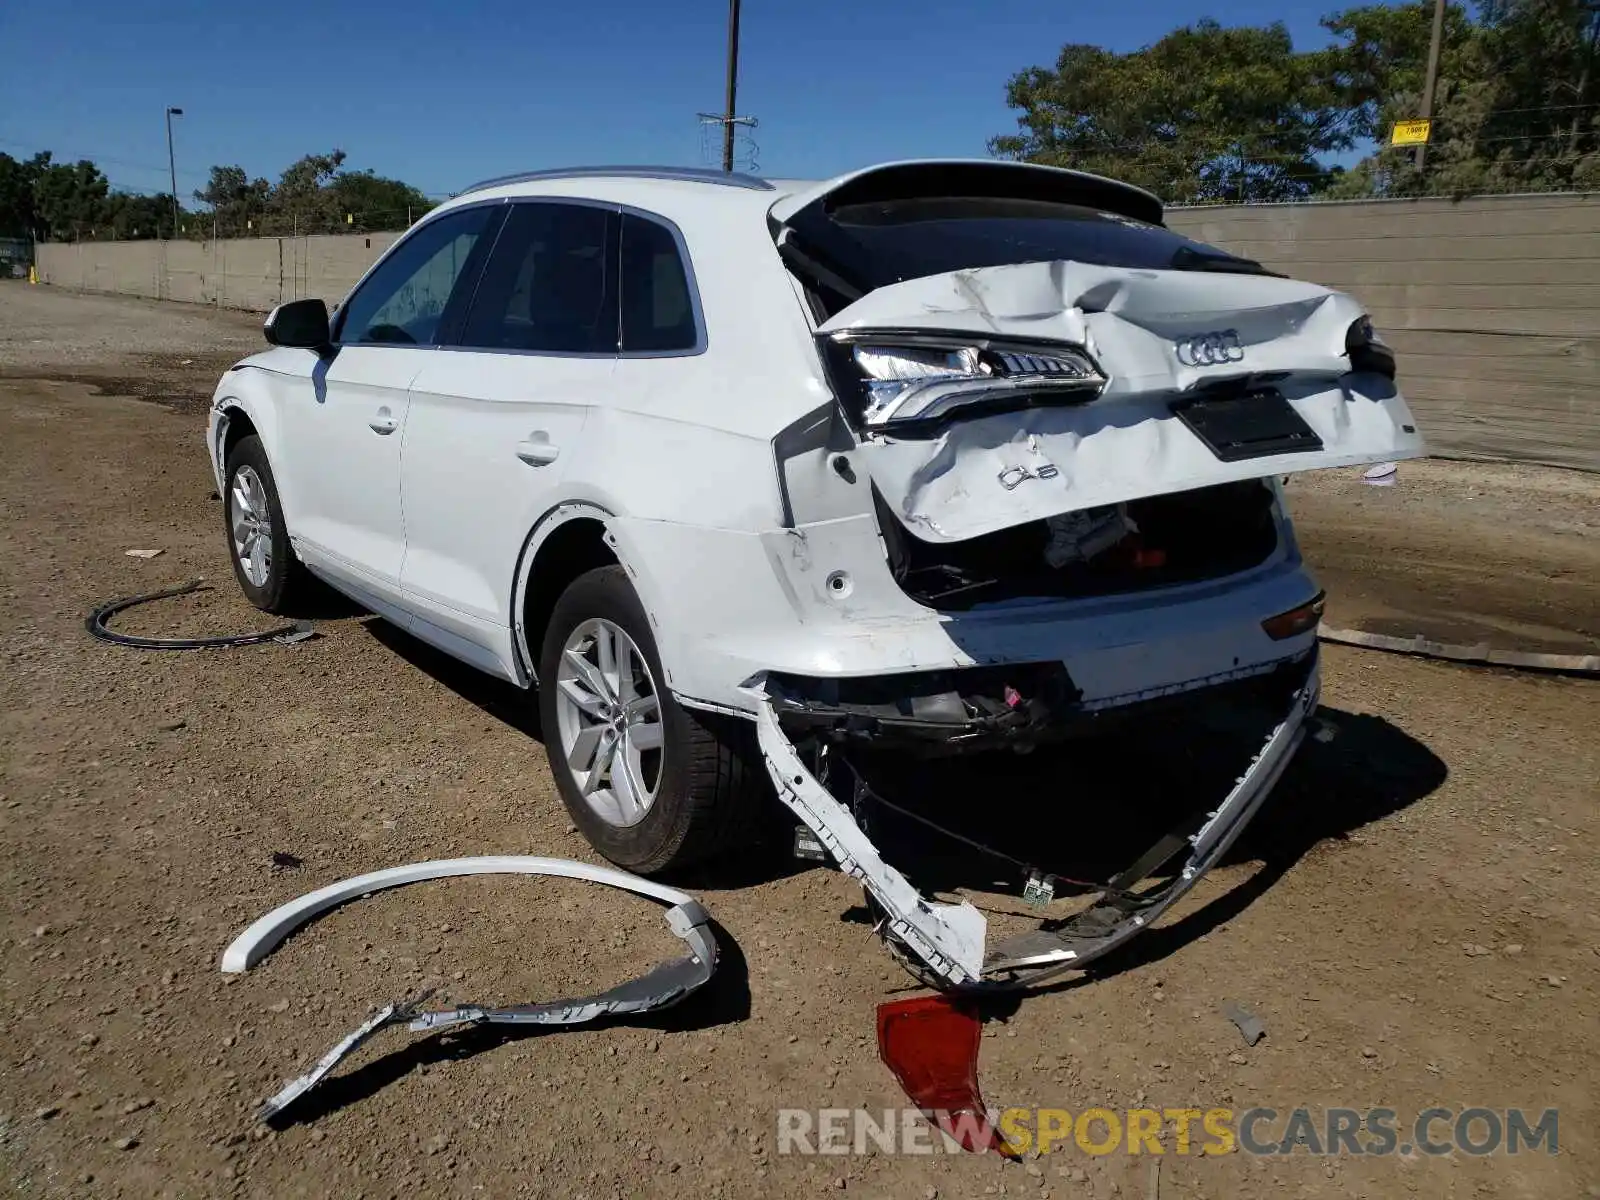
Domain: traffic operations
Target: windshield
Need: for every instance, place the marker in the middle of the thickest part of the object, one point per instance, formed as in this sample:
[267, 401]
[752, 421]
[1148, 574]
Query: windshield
[906, 239]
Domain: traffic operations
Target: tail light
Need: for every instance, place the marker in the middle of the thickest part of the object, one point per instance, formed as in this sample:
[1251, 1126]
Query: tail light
[1367, 350]
[900, 382]
[1296, 621]
[931, 1045]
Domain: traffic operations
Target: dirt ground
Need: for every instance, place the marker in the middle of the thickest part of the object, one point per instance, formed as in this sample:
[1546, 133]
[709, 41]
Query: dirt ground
[1414, 915]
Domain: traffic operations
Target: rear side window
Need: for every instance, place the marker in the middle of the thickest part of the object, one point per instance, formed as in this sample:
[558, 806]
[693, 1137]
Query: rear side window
[550, 283]
[403, 300]
[657, 305]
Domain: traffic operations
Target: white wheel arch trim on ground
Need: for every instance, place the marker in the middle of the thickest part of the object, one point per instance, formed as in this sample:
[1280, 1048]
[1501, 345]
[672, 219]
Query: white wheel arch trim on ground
[264, 935]
[660, 987]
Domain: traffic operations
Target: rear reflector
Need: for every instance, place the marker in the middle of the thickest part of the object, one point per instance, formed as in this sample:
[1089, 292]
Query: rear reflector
[1296, 621]
[931, 1045]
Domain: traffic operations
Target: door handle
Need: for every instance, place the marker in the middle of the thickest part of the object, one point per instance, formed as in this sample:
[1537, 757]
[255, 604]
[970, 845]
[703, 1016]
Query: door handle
[537, 453]
[383, 422]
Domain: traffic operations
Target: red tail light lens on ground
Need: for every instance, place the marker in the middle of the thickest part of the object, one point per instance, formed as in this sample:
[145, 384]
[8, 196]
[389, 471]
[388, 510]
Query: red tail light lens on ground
[1296, 621]
[930, 1043]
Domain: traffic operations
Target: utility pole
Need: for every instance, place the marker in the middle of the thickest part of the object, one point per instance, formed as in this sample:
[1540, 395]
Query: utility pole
[172, 167]
[1432, 79]
[733, 84]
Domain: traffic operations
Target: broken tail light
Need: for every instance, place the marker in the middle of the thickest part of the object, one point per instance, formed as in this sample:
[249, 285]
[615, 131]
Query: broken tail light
[1367, 349]
[903, 381]
[1296, 621]
[930, 1043]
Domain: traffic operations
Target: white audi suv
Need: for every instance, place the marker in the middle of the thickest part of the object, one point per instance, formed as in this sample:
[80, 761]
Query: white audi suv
[736, 474]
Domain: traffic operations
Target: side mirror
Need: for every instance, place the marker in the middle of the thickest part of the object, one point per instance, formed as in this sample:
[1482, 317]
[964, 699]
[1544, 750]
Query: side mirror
[302, 323]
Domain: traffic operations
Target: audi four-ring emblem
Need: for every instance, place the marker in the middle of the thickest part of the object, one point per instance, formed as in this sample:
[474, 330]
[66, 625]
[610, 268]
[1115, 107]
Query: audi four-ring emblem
[1209, 349]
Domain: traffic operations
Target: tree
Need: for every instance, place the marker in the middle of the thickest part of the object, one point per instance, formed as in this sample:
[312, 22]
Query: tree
[61, 201]
[1209, 114]
[1545, 58]
[304, 201]
[69, 200]
[18, 217]
[1380, 66]
[376, 202]
[1204, 114]
[235, 200]
[1512, 108]
[131, 215]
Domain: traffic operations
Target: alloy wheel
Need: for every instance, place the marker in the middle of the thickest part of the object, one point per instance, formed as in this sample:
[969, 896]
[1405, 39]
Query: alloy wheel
[250, 518]
[609, 712]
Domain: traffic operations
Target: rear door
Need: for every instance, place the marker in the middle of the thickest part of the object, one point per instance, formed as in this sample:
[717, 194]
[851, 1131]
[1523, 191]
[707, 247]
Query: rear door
[495, 419]
[343, 422]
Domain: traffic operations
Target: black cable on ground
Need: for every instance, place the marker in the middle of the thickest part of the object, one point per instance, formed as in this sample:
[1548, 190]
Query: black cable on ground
[95, 623]
[1479, 655]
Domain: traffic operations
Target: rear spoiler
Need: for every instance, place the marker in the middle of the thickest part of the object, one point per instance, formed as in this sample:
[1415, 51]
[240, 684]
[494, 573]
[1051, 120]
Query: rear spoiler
[968, 178]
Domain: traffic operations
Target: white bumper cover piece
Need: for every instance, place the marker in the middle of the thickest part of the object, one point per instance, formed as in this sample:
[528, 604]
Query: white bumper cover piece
[663, 985]
[947, 941]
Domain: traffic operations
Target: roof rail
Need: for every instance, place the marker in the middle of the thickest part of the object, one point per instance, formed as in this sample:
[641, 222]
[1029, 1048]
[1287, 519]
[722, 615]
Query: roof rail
[682, 174]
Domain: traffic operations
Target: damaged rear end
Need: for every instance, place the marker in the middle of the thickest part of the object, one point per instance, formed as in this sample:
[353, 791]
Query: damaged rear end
[1070, 424]
[821, 743]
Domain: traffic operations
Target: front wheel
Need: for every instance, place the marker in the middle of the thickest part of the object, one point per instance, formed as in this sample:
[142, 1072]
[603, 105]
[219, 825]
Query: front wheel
[652, 786]
[269, 574]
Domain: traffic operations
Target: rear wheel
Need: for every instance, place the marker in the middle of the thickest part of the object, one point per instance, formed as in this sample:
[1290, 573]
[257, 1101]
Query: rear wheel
[269, 574]
[652, 786]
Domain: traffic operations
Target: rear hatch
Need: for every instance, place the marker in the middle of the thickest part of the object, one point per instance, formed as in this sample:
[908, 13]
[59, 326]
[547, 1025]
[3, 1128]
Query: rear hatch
[1013, 343]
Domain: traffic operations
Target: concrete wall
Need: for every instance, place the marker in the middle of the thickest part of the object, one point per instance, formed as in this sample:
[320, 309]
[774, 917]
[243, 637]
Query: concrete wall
[1492, 304]
[248, 273]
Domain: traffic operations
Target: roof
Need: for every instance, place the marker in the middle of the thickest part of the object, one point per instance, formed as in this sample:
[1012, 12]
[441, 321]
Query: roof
[787, 198]
[679, 174]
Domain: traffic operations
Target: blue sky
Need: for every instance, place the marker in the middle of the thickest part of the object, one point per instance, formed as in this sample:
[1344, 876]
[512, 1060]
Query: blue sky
[442, 95]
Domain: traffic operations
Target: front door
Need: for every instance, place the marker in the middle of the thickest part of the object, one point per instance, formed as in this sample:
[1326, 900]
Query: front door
[343, 422]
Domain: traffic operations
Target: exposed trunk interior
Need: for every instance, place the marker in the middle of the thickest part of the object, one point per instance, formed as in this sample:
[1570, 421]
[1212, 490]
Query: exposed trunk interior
[1157, 541]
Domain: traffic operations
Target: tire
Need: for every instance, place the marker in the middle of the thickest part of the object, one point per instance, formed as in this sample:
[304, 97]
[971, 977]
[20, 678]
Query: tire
[282, 583]
[707, 796]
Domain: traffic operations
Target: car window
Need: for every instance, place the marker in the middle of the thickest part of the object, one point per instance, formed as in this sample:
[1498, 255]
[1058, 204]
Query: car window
[657, 308]
[906, 239]
[550, 283]
[402, 301]
[843, 252]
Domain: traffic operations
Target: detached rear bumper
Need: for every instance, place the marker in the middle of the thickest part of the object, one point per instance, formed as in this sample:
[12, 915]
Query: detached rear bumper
[948, 940]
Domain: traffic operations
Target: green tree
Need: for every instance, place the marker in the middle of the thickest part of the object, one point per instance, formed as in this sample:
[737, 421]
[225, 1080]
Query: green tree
[18, 217]
[377, 203]
[304, 200]
[1204, 114]
[132, 215]
[1209, 114]
[1381, 57]
[313, 195]
[1514, 106]
[1544, 56]
[69, 199]
[237, 202]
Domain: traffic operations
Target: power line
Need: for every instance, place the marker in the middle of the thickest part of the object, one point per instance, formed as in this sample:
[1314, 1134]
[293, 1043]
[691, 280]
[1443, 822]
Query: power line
[60, 157]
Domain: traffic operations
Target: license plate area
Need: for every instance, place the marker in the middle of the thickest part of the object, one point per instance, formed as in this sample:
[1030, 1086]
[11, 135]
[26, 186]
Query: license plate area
[1258, 423]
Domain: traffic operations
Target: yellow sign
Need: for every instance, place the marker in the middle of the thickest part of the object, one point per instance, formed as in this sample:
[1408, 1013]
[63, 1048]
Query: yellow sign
[1410, 133]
